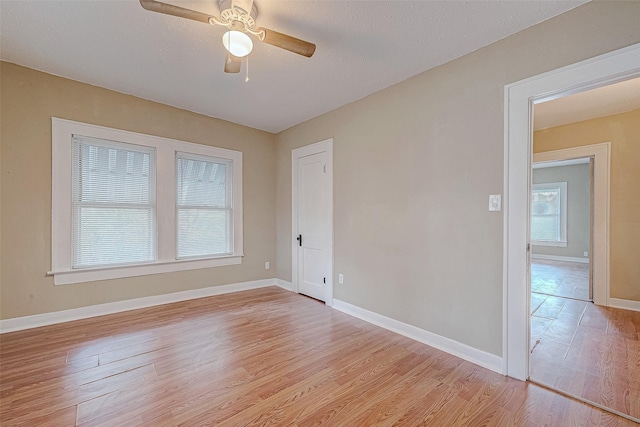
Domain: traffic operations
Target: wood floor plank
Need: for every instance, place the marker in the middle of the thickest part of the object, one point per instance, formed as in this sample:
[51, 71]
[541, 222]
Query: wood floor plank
[63, 417]
[38, 401]
[266, 357]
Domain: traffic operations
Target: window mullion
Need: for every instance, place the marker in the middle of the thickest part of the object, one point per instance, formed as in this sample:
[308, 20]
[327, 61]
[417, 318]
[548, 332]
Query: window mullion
[166, 195]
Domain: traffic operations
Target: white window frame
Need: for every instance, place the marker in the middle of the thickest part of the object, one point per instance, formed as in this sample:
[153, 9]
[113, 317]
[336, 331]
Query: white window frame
[229, 178]
[562, 187]
[151, 205]
[166, 149]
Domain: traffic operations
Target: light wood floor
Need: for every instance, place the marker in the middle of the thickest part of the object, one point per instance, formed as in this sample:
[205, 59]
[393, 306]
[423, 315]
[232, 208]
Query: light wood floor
[261, 357]
[586, 350]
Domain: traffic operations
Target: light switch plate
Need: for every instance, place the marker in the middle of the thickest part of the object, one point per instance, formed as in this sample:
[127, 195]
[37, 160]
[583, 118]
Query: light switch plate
[495, 202]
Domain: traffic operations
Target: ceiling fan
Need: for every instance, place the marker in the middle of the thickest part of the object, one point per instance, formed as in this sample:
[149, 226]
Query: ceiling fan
[238, 16]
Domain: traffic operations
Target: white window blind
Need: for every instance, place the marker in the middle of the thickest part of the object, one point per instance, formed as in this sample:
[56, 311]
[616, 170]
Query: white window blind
[114, 203]
[204, 208]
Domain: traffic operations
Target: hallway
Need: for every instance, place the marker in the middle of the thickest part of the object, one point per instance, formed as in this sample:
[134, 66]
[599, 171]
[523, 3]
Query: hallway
[582, 349]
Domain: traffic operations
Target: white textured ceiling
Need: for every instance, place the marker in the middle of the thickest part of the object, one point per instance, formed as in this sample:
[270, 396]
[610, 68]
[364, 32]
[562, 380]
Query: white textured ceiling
[600, 102]
[362, 47]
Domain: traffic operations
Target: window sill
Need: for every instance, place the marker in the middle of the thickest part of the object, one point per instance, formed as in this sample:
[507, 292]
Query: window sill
[549, 243]
[67, 277]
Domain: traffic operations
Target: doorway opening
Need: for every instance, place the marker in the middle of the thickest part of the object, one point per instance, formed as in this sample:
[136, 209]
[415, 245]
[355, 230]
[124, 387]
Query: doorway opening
[561, 220]
[577, 378]
[576, 346]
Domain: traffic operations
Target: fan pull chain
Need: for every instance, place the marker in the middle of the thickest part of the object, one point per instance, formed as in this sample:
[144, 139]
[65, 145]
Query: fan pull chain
[246, 79]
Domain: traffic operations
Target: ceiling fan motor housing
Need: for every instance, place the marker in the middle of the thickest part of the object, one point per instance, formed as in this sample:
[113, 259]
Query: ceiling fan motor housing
[240, 7]
[238, 15]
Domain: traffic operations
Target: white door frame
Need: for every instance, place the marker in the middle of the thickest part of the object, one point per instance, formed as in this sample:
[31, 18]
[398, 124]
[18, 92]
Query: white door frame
[601, 154]
[519, 98]
[318, 147]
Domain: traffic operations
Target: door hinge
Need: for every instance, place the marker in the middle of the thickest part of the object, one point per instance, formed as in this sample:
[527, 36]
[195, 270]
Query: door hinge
[528, 247]
[324, 168]
[324, 280]
[299, 239]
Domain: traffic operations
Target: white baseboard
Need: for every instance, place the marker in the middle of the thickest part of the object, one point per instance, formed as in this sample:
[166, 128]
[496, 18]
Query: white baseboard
[561, 258]
[37, 320]
[463, 351]
[284, 284]
[625, 304]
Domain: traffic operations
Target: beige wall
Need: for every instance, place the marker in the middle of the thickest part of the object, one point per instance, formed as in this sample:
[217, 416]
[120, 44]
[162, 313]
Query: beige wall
[577, 179]
[28, 101]
[623, 131]
[414, 165]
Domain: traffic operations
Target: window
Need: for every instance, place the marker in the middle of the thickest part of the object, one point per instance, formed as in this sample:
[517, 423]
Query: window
[126, 204]
[204, 206]
[114, 206]
[549, 214]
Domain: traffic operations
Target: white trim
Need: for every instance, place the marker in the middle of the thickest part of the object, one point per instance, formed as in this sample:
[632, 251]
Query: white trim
[559, 163]
[463, 351]
[45, 319]
[561, 258]
[62, 132]
[562, 244]
[287, 286]
[67, 277]
[625, 304]
[519, 98]
[506, 298]
[297, 153]
[601, 154]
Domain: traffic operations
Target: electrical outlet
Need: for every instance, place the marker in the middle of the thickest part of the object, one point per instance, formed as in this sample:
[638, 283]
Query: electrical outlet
[267, 265]
[341, 278]
[585, 254]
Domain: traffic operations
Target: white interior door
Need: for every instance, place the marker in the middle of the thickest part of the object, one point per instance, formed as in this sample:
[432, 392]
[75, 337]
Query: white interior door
[312, 224]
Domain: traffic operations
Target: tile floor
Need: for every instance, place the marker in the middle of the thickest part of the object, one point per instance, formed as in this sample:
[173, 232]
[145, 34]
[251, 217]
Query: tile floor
[564, 279]
[583, 349]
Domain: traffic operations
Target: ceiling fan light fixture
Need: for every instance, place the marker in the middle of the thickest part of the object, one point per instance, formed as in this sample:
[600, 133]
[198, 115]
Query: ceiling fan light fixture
[238, 17]
[237, 43]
